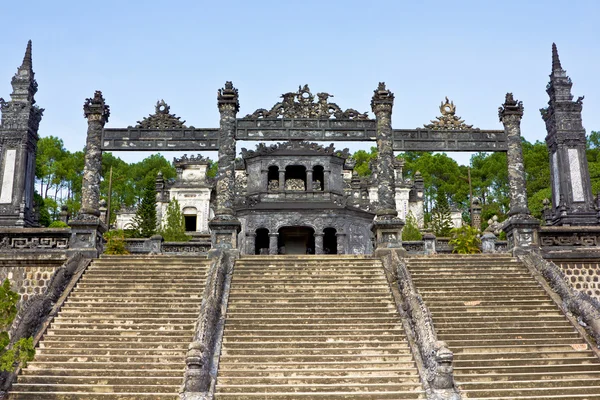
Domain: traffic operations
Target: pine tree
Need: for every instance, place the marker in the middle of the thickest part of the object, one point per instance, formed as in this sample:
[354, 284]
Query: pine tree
[174, 228]
[145, 217]
[441, 219]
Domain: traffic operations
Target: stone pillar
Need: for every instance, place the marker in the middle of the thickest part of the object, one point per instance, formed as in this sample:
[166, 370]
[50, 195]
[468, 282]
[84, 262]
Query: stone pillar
[97, 113]
[318, 242]
[476, 214]
[103, 209]
[429, 243]
[309, 180]
[87, 227]
[273, 243]
[250, 243]
[264, 180]
[326, 174]
[282, 180]
[64, 214]
[521, 228]
[341, 243]
[225, 226]
[387, 227]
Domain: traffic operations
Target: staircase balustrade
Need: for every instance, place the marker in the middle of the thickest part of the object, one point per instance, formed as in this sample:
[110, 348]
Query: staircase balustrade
[583, 306]
[437, 357]
[199, 380]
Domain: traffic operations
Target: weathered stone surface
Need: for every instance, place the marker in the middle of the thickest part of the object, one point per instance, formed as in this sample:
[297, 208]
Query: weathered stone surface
[97, 113]
[18, 140]
[573, 202]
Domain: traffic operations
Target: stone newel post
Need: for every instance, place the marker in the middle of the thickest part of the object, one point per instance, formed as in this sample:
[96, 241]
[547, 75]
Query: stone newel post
[387, 226]
[87, 228]
[521, 228]
[225, 226]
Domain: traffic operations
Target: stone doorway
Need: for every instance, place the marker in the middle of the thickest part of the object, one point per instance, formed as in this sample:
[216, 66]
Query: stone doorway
[296, 240]
[190, 223]
[261, 245]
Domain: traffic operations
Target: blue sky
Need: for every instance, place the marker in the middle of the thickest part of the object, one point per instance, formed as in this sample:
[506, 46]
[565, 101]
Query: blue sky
[138, 52]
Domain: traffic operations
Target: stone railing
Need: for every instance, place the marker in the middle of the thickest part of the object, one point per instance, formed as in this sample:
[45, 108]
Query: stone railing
[432, 245]
[200, 373]
[584, 307]
[156, 245]
[200, 248]
[437, 358]
[34, 240]
[570, 241]
[36, 314]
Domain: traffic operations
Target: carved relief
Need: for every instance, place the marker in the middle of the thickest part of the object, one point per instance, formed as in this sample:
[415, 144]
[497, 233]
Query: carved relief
[301, 104]
[448, 120]
[265, 149]
[161, 119]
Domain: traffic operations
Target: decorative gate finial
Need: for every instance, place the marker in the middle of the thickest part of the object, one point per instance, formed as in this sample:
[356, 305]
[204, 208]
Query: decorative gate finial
[448, 120]
[301, 104]
[161, 119]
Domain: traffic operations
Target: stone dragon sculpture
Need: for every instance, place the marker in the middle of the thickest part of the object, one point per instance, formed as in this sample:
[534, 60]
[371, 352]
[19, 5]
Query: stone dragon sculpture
[437, 357]
[198, 381]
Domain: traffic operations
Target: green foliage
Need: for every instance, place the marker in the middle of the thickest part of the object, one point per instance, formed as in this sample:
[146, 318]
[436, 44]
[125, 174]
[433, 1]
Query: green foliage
[115, 243]
[362, 160]
[212, 170]
[411, 229]
[174, 228]
[45, 218]
[145, 217]
[58, 224]
[465, 240]
[441, 220]
[22, 351]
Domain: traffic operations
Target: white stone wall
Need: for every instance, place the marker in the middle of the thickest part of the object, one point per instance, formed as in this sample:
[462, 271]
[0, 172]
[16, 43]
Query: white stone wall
[124, 220]
[192, 198]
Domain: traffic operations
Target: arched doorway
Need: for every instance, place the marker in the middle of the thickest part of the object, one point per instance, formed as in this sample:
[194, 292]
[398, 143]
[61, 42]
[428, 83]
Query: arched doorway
[296, 240]
[261, 245]
[329, 241]
[190, 217]
[295, 177]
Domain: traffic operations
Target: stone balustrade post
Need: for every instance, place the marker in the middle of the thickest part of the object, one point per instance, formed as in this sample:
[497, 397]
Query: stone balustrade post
[341, 243]
[488, 243]
[429, 240]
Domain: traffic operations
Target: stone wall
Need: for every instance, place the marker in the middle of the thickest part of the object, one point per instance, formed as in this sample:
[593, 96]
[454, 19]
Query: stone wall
[29, 274]
[582, 275]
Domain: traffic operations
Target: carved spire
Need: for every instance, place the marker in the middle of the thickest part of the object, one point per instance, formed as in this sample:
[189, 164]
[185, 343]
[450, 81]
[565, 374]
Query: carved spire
[510, 107]
[23, 83]
[228, 96]
[555, 60]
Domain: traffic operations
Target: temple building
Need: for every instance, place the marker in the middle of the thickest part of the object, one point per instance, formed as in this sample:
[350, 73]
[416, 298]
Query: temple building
[292, 198]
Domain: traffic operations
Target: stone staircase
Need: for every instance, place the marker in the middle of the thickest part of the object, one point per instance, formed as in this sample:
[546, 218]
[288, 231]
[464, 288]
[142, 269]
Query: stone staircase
[122, 334]
[309, 327]
[510, 340]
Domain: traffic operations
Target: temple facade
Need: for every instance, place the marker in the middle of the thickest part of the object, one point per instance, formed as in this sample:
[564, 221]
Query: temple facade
[294, 197]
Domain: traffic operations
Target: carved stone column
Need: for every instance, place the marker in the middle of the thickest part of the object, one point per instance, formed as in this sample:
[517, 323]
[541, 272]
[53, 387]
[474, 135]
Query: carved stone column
[264, 179]
[521, 228]
[309, 180]
[387, 227]
[273, 243]
[318, 242]
[281, 180]
[326, 174]
[225, 226]
[476, 214]
[250, 243]
[87, 228]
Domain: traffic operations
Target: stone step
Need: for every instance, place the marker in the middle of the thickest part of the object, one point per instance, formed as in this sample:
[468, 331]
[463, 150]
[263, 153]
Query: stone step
[87, 351]
[91, 388]
[341, 395]
[114, 345]
[280, 351]
[371, 387]
[277, 372]
[122, 365]
[23, 395]
[100, 380]
[97, 373]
